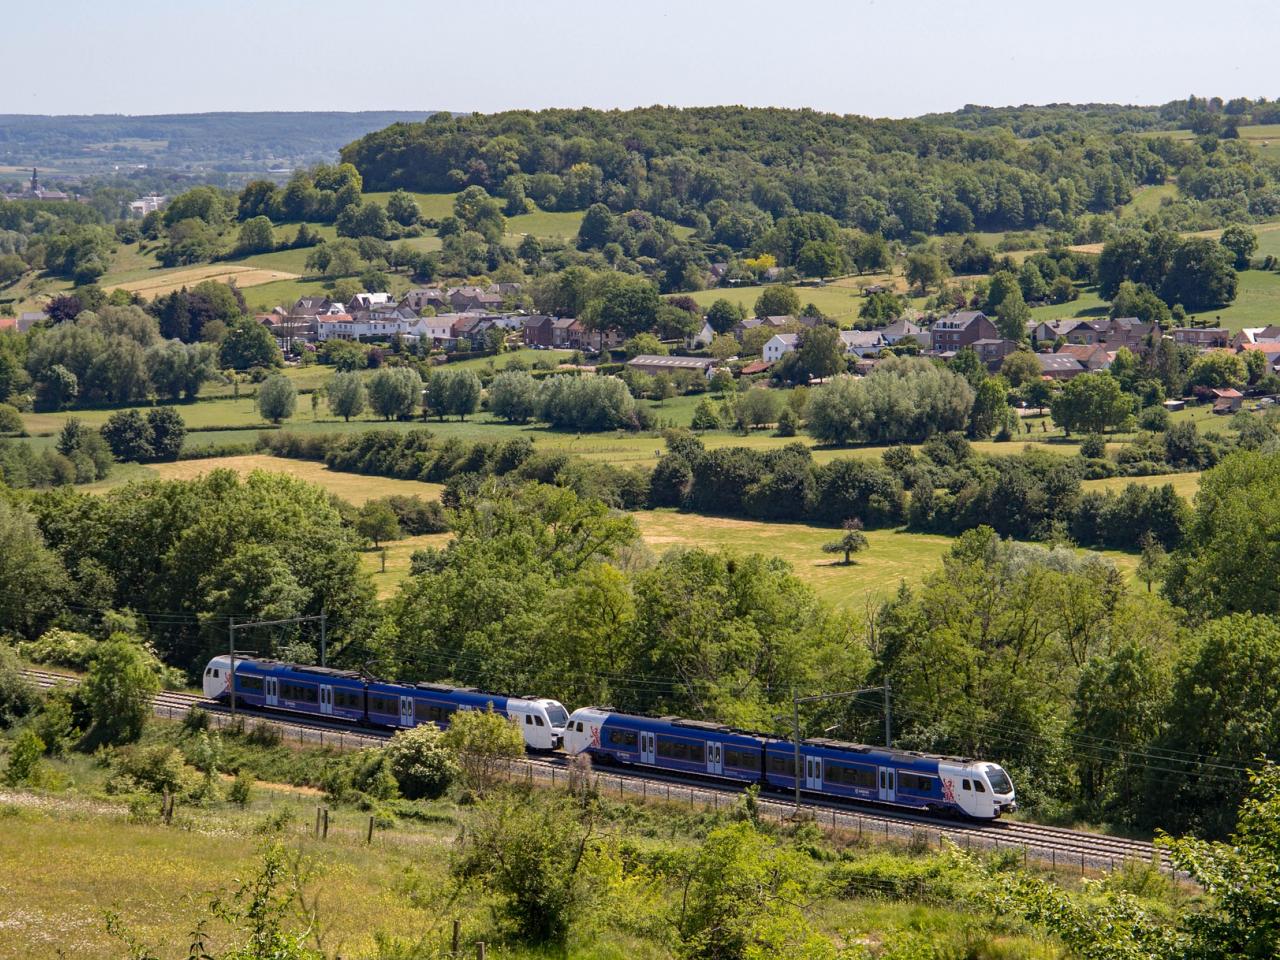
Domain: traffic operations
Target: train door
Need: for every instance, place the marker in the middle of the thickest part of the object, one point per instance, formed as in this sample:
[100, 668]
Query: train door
[271, 689]
[326, 699]
[648, 747]
[813, 773]
[406, 711]
[888, 791]
[715, 760]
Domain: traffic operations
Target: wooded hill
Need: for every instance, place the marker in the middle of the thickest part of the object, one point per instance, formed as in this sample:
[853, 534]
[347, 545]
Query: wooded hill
[894, 177]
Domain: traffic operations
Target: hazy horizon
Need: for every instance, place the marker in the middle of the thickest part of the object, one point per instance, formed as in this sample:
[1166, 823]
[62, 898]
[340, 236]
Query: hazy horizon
[866, 58]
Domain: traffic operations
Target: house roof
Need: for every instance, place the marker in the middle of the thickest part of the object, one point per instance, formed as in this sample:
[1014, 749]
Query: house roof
[1269, 347]
[902, 327]
[1081, 351]
[789, 339]
[755, 366]
[1226, 393]
[861, 338]
[1058, 362]
[960, 320]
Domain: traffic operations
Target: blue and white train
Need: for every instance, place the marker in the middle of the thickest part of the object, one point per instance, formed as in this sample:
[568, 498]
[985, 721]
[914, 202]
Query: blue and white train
[695, 748]
[828, 768]
[347, 695]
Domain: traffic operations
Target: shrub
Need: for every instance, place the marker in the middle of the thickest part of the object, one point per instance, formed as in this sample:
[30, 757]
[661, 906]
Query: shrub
[241, 791]
[155, 769]
[530, 852]
[18, 695]
[1093, 447]
[61, 648]
[24, 759]
[10, 419]
[119, 688]
[420, 762]
[483, 741]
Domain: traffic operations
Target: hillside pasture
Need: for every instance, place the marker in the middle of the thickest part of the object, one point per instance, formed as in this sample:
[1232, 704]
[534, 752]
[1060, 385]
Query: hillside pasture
[355, 488]
[166, 281]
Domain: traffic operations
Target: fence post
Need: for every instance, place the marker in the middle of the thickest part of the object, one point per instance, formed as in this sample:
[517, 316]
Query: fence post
[326, 824]
[317, 823]
[480, 950]
[369, 836]
[457, 936]
[1053, 859]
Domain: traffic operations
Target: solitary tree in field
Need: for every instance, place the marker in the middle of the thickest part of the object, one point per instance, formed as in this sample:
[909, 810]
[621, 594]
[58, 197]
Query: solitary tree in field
[347, 396]
[277, 398]
[377, 522]
[850, 542]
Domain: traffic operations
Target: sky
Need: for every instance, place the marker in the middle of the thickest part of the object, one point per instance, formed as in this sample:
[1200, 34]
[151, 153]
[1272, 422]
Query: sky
[869, 57]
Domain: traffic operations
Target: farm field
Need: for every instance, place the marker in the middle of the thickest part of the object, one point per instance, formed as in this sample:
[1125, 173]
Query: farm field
[433, 205]
[169, 280]
[1184, 484]
[355, 488]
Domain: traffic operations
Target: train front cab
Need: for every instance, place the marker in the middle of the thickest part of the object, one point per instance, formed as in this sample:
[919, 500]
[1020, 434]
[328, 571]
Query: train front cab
[980, 790]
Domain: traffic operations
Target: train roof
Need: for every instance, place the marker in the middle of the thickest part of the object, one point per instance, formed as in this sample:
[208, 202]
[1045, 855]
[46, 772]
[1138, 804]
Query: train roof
[848, 746]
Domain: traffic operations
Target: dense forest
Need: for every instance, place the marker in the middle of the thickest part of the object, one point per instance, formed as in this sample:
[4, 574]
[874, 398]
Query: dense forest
[749, 166]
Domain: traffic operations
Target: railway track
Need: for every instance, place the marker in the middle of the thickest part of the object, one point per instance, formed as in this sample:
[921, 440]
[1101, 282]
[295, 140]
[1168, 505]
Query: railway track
[1056, 846]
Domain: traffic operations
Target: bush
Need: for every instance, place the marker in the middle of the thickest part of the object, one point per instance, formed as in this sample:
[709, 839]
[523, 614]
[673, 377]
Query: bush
[1093, 447]
[422, 765]
[1155, 419]
[529, 852]
[24, 759]
[119, 688]
[241, 791]
[10, 419]
[61, 648]
[18, 695]
[483, 741]
[155, 769]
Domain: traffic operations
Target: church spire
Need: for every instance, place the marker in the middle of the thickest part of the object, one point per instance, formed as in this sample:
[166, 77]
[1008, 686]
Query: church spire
[35, 181]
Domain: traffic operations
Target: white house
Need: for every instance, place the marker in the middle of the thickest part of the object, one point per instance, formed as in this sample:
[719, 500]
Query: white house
[702, 338]
[779, 345]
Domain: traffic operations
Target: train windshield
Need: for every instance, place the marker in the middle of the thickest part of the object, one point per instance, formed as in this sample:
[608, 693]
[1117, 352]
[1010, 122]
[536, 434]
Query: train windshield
[1000, 782]
[556, 714]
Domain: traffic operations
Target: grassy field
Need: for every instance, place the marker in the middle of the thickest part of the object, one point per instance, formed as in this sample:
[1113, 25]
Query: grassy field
[839, 299]
[353, 487]
[1184, 484]
[388, 577]
[891, 557]
[1257, 300]
[433, 205]
[560, 225]
[68, 861]
[1147, 200]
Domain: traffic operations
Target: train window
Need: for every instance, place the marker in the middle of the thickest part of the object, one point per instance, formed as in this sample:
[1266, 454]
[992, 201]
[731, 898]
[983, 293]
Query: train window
[851, 776]
[697, 753]
[623, 738]
[965, 785]
[977, 785]
[910, 781]
[580, 726]
[782, 764]
[538, 721]
[528, 720]
[742, 759]
[215, 672]
[248, 684]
